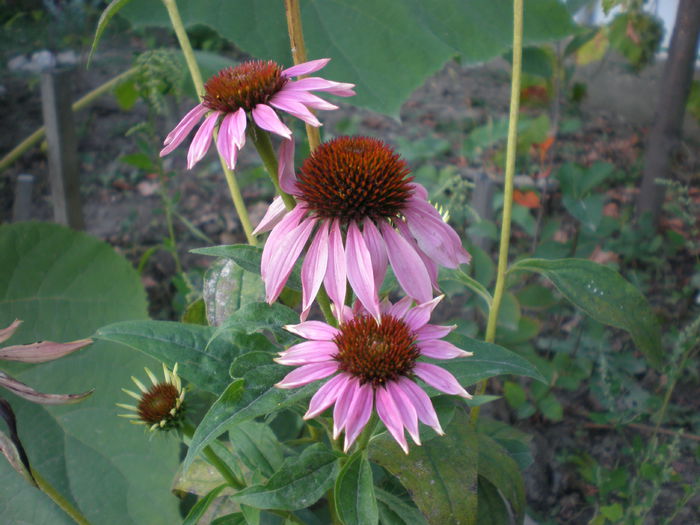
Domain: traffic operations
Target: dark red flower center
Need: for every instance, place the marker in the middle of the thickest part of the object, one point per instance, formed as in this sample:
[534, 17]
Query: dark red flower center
[376, 353]
[350, 178]
[156, 404]
[244, 86]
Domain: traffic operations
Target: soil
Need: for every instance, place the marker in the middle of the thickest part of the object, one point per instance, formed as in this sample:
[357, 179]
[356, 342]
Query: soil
[122, 206]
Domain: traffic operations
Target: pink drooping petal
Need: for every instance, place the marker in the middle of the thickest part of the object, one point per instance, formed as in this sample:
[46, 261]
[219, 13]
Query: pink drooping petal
[389, 413]
[278, 233]
[6, 333]
[440, 379]
[285, 167]
[224, 142]
[202, 140]
[343, 312]
[313, 270]
[433, 331]
[336, 272]
[239, 123]
[421, 402]
[417, 317]
[400, 308]
[326, 395]
[283, 257]
[42, 351]
[438, 349]
[295, 108]
[341, 89]
[307, 374]
[342, 406]
[377, 251]
[359, 268]
[406, 410]
[307, 352]
[184, 127]
[314, 330]
[407, 264]
[434, 236]
[308, 99]
[430, 265]
[265, 117]
[359, 412]
[274, 214]
[305, 67]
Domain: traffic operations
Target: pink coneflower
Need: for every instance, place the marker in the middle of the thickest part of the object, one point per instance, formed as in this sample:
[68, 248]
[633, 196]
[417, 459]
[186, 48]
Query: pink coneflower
[253, 89]
[357, 202]
[376, 364]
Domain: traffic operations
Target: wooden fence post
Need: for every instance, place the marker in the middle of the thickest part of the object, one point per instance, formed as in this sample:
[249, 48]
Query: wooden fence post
[63, 150]
[21, 209]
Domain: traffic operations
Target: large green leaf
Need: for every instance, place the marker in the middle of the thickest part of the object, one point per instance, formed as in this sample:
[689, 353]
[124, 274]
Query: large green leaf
[387, 47]
[227, 287]
[496, 466]
[604, 295]
[395, 511]
[256, 445]
[441, 475]
[300, 482]
[65, 285]
[355, 501]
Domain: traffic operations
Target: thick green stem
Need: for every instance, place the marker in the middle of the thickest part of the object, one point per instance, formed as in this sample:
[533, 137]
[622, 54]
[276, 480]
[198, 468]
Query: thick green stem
[59, 500]
[81, 103]
[215, 460]
[508, 185]
[196, 75]
[366, 435]
[263, 144]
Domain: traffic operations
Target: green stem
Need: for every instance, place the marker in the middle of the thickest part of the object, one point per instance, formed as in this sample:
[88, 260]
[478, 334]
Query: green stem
[81, 103]
[508, 185]
[263, 144]
[215, 460]
[59, 500]
[196, 75]
[366, 435]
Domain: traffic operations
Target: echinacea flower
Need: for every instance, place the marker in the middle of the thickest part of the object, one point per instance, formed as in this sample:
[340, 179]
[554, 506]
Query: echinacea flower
[362, 210]
[252, 90]
[160, 407]
[376, 364]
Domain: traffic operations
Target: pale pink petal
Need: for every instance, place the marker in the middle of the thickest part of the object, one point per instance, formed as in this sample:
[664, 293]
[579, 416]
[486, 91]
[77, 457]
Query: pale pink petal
[421, 402]
[283, 257]
[202, 140]
[377, 251]
[308, 99]
[435, 237]
[343, 313]
[342, 406]
[285, 167]
[294, 108]
[416, 318]
[359, 268]
[400, 308]
[441, 350]
[406, 410]
[224, 142]
[390, 415]
[313, 270]
[433, 331]
[419, 191]
[184, 127]
[265, 117]
[238, 126]
[279, 232]
[307, 374]
[359, 413]
[315, 330]
[407, 264]
[306, 67]
[274, 214]
[326, 395]
[430, 265]
[308, 352]
[40, 352]
[341, 89]
[336, 272]
[440, 379]
[6, 333]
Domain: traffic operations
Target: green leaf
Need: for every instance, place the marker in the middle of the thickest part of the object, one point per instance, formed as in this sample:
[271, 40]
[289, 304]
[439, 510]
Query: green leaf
[257, 447]
[489, 360]
[112, 9]
[514, 441]
[416, 37]
[514, 394]
[604, 295]
[441, 475]
[300, 482]
[237, 404]
[395, 511]
[260, 317]
[502, 471]
[551, 407]
[199, 508]
[468, 281]
[55, 280]
[492, 509]
[200, 361]
[355, 501]
[227, 288]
